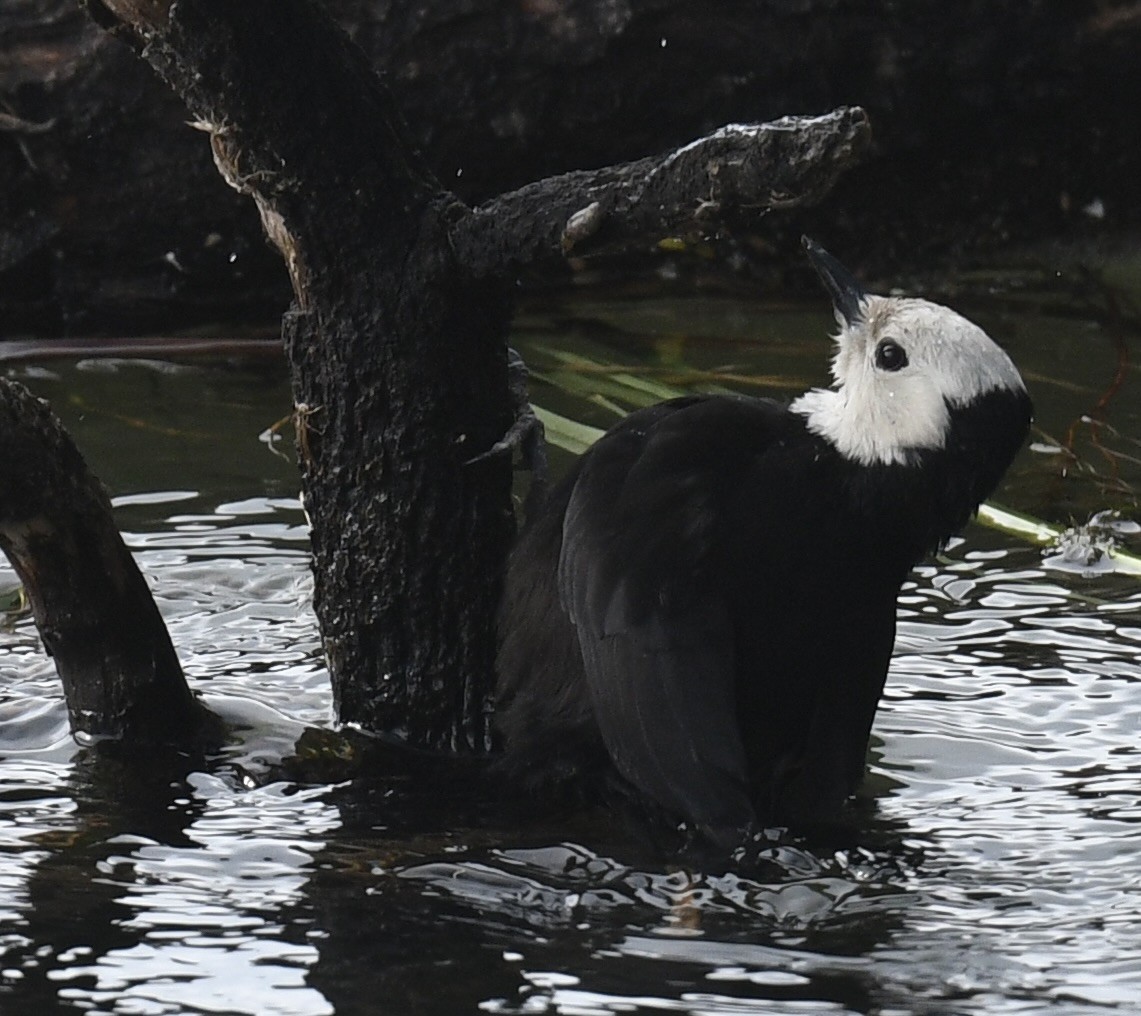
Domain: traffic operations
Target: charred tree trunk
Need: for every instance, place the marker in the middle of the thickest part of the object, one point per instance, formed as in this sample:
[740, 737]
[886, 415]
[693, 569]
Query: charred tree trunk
[396, 339]
[397, 356]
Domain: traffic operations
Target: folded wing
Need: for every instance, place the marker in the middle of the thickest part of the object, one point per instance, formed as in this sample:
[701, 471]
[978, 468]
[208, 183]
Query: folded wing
[640, 575]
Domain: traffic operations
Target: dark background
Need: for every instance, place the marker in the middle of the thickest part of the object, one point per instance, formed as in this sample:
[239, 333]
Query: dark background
[998, 127]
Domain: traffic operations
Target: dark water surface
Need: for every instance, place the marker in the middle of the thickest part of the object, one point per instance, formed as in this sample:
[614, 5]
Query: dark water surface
[996, 868]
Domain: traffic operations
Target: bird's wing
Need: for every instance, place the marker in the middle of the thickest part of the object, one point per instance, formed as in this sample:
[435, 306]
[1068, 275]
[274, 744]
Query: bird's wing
[636, 576]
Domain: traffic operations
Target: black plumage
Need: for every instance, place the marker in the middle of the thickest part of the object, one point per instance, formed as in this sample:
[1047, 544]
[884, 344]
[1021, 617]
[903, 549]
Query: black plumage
[706, 603]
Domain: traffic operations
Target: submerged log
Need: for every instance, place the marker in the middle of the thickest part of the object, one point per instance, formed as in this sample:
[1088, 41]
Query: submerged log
[92, 606]
[396, 338]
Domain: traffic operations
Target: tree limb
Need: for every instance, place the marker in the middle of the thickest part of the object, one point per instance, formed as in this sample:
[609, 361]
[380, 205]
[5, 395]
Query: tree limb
[93, 609]
[729, 178]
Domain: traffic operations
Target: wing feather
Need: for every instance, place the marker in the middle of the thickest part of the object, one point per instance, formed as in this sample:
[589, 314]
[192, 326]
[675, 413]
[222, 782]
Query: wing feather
[639, 534]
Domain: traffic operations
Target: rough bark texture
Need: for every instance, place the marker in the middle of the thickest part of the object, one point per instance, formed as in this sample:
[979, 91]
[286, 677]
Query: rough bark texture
[98, 621]
[398, 363]
[725, 180]
[993, 122]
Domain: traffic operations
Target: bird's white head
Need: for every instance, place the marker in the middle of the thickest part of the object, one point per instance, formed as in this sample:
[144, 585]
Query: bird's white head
[902, 369]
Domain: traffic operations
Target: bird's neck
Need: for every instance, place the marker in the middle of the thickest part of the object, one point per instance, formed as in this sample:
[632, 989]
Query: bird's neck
[871, 431]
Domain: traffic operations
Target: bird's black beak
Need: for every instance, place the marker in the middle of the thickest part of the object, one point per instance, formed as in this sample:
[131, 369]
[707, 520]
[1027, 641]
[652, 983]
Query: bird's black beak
[847, 294]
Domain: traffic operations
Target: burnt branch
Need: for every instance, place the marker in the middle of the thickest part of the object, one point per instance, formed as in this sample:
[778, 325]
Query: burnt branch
[727, 179]
[94, 612]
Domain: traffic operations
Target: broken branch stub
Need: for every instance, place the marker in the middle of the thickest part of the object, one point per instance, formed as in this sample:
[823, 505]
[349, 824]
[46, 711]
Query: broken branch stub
[725, 180]
[94, 612]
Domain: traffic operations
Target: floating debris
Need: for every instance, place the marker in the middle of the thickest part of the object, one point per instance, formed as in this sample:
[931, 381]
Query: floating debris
[1092, 548]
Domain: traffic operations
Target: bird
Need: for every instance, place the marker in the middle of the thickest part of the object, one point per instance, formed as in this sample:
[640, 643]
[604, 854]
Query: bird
[704, 609]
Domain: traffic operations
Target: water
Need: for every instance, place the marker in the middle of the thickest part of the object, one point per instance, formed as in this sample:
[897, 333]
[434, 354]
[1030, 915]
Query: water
[995, 869]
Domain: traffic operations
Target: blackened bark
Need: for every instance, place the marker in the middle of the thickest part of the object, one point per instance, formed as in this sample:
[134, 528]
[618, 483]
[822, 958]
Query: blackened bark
[392, 399]
[398, 363]
[95, 614]
[725, 180]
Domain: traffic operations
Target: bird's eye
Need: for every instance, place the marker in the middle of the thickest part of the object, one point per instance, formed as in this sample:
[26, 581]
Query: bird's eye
[890, 356]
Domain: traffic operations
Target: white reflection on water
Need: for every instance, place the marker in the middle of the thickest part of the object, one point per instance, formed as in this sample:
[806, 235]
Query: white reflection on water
[208, 916]
[1017, 749]
[202, 907]
[235, 589]
[1006, 754]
